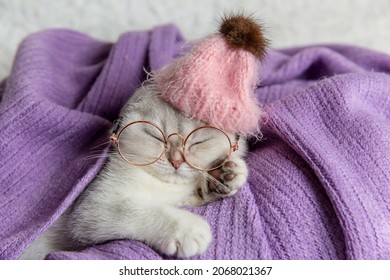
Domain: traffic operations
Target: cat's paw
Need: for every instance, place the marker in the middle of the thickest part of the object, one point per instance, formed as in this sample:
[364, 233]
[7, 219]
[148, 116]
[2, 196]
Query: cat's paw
[229, 178]
[190, 236]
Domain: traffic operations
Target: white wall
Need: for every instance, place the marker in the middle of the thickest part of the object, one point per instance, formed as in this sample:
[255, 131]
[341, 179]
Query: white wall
[289, 22]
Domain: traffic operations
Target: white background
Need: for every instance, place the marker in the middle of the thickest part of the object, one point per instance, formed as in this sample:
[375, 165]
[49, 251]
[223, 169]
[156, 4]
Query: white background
[288, 22]
[281, 270]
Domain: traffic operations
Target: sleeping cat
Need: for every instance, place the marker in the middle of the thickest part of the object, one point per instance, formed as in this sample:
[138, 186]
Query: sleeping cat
[128, 201]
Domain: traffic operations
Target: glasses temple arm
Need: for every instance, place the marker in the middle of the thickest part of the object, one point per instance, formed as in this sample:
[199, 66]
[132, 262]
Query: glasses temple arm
[235, 146]
[115, 128]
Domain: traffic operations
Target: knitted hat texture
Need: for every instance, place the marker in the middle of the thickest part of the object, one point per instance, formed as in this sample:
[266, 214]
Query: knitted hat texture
[215, 80]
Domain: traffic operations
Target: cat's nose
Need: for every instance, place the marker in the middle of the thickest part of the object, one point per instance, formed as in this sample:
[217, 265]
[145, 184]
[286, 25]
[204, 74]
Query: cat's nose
[175, 163]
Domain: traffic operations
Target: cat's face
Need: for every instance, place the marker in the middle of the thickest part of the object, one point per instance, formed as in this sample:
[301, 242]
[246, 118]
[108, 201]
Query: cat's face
[158, 143]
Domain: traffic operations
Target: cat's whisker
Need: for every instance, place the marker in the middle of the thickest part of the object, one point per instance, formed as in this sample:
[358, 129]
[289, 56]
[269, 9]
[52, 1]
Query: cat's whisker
[140, 159]
[162, 166]
[99, 151]
[93, 156]
[98, 146]
[101, 154]
[221, 188]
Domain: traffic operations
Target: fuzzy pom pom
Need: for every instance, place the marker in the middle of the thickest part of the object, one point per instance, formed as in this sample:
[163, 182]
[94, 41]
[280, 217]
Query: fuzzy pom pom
[244, 32]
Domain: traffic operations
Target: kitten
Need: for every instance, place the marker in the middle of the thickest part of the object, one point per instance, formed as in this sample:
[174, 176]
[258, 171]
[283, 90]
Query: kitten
[142, 202]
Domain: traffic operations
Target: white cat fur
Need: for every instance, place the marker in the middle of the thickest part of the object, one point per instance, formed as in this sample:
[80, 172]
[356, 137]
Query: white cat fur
[142, 203]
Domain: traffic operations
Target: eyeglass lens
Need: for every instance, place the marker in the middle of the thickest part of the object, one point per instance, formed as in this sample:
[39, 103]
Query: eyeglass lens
[207, 148]
[141, 143]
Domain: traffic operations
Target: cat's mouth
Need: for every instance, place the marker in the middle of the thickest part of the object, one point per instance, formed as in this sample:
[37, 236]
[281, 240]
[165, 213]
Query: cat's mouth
[183, 172]
[166, 172]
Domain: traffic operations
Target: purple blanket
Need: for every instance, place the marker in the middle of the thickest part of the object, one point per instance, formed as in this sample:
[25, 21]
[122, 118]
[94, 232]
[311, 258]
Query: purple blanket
[319, 185]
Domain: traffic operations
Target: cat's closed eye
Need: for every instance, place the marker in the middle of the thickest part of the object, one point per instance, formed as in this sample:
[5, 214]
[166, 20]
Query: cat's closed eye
[153, 133]
[156, 137]
[199, 142]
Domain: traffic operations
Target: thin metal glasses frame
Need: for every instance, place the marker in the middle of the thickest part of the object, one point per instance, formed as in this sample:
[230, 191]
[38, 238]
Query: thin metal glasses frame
[117, 131]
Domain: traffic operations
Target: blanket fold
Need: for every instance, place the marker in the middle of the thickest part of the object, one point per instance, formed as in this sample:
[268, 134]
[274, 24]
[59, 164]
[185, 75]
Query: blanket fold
[319, 184]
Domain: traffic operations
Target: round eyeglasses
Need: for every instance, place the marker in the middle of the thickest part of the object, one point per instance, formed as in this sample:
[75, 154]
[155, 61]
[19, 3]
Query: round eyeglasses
[143, 143]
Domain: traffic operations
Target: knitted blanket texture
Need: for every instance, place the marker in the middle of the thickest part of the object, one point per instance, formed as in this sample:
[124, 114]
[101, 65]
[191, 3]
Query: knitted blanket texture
[319, 183]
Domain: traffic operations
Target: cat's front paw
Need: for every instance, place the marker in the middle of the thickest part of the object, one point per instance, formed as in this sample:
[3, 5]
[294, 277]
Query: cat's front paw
[229, 178]
[190, 236]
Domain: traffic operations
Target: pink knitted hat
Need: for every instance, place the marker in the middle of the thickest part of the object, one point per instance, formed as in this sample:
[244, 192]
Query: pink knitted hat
[215, 81]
